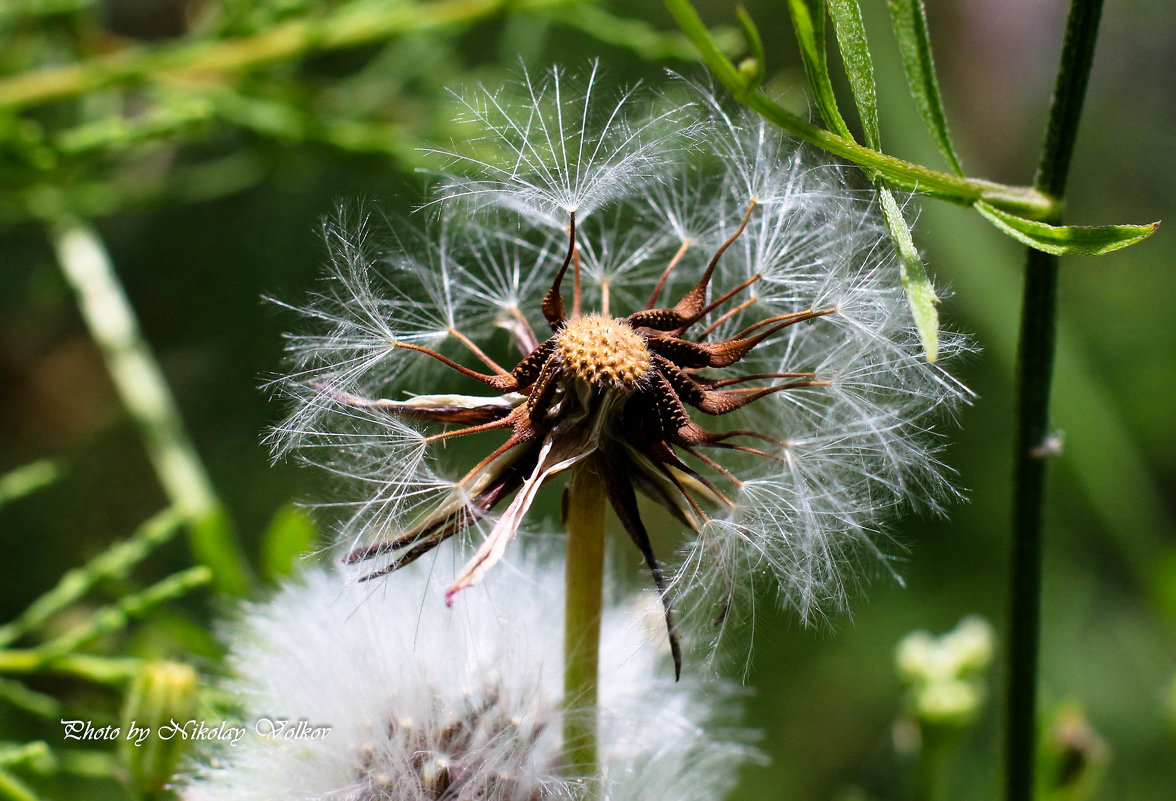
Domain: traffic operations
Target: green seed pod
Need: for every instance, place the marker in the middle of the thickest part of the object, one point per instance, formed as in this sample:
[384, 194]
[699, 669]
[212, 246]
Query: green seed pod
[161, 696]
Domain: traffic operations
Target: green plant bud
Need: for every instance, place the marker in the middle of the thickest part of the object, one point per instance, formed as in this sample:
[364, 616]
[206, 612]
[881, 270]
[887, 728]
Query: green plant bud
[752, 70]
[1073, 757]
[921, 658]
[970, 644]
[953, 702]
[161, 695]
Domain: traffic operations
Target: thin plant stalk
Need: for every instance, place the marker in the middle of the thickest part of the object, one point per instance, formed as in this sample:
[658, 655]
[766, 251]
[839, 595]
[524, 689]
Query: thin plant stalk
[584, 519]
[194, 61]
[1034, 373]
[144, 392]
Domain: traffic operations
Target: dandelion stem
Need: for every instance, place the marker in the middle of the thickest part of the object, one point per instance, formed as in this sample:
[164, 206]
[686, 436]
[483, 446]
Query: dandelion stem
[144, 392]
[584, 518]
[1034, 373]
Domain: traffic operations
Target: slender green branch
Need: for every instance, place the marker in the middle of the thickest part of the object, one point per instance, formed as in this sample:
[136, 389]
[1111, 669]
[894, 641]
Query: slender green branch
[31, 701]
[363, 23]
[118, 615]
[1024, 201]
[584, 518]
[145, 394]
[100, 669]
[13, 788]
[1034, 373]
[115, 562]
[27, 479]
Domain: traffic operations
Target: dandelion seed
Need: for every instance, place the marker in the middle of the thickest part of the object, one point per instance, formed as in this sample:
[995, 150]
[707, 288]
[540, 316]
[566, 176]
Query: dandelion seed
[733, 347]
[423, 705]
[557, 147]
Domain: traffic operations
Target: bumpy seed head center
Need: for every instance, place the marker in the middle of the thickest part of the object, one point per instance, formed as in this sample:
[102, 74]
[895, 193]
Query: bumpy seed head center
[603, 352]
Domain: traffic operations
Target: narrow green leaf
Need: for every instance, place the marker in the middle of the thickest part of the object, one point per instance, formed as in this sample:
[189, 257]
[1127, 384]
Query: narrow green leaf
[214, 544]
[855, 54]
[32, 701]
[88, 764]
[14, 789]
[35, 754]
[752, 68]
[291, 534]
[910, 28]
[1063, 240]
[920, 294]
[114, 563]
[117, 616]
[808, 20]
[28, 479]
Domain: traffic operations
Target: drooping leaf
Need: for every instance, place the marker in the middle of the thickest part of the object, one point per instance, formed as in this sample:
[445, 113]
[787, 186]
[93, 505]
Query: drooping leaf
[855, 54]
[920, 294]
[808, 20]
[1063, 240]
[910, 28]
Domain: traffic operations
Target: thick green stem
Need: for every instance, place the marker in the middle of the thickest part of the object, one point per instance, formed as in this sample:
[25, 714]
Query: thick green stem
[144, 392]
[584, 518]
[1034, 373]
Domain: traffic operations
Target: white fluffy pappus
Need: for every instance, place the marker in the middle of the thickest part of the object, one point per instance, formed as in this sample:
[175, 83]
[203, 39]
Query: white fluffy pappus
[424, 703]
[758, 374]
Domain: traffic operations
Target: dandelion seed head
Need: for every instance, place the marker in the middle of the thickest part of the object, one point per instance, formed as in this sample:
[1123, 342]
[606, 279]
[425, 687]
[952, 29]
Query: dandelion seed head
[425, 704]
[738, 305]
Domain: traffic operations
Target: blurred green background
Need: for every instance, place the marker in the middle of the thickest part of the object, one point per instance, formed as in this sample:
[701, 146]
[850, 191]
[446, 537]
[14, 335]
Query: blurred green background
[222, 204]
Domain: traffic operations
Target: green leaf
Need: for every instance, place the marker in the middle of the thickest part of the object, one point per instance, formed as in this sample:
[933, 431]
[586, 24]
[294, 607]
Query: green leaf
[291, 534]
[855, 54]
[920, 294]
[28, 479]
[910, 28]
[114, 563]
[13, 788]
[213, 544]
[1066, 240]
[117, 616]
[752, 68]
[808, 20]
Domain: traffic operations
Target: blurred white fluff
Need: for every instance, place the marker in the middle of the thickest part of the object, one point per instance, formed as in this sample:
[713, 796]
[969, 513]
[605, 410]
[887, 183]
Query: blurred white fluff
[427, 704]
[809, 518]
